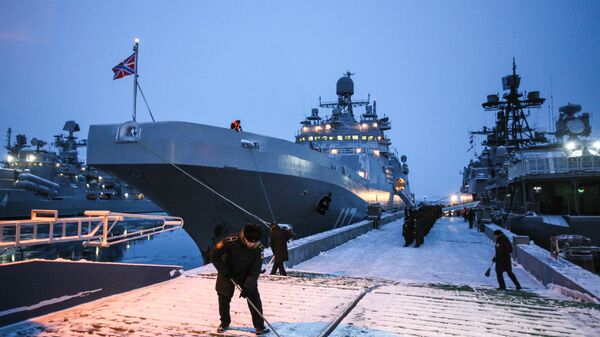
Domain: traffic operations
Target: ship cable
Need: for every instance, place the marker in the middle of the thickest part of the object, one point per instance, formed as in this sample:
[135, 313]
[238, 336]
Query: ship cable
[254, 216]
[263, 186]
[147, 106]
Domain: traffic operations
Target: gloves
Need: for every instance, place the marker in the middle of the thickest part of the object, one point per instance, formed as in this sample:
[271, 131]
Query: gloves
[244, 293]
[494, 259]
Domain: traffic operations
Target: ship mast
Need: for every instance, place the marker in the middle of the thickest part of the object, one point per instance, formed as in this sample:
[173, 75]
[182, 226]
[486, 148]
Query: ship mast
[512, 129]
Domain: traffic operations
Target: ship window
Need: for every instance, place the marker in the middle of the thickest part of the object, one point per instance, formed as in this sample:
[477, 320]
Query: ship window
[370, 137]
[364, 137]
[347, 137]
[331, 138]
[340, 138]
[310, 138]
[354, 137]
[324, 138]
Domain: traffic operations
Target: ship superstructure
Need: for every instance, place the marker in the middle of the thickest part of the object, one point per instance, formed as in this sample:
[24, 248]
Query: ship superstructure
[218, 179]
[35, 177]
[543, 188]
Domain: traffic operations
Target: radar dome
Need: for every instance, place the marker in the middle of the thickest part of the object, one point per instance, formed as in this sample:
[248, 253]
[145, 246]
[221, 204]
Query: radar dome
[345, 86]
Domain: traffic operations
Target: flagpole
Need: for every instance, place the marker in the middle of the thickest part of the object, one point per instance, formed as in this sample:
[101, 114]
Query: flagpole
[135, 76]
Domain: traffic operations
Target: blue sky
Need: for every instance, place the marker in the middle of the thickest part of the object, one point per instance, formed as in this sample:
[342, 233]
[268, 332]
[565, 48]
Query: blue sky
[429, 64]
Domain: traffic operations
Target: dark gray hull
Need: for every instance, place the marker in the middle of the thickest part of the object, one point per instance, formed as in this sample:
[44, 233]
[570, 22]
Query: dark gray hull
[20, 203]
[208, 218]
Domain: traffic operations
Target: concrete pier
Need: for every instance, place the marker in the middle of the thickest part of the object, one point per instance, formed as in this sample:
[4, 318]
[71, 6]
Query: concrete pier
[369, 286]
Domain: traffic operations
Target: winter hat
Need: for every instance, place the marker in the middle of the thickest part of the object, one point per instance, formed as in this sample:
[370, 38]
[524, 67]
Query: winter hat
[498, 232]
[252, 232]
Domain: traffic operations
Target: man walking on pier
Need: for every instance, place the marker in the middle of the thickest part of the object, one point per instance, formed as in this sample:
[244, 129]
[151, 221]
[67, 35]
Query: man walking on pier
[278, 239]
[502, 259]
[238, 258]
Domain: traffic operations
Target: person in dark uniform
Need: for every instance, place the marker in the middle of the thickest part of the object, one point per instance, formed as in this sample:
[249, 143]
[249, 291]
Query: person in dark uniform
[419, 228]
[471, 217]
[502, 259]
[236, 125]
[239, 258]
[278, 239]
[408, 229]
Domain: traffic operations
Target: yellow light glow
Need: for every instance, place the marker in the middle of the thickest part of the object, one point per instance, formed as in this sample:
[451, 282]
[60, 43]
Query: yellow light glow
[365, 126]
[454, 198]
[318, 128]
[327, 127]
[334, 151]
[10, 158]
[305, 129]
[358, 150]
[376, 152]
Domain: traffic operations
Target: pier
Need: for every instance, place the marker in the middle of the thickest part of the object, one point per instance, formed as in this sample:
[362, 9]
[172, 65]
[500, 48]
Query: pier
[369, 286]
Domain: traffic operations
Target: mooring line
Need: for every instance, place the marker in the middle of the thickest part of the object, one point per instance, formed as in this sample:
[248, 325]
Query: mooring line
[256, 217]
[333, 325]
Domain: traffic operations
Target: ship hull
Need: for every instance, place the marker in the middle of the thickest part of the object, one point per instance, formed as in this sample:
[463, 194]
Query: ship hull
[209, 217]
[207, 174]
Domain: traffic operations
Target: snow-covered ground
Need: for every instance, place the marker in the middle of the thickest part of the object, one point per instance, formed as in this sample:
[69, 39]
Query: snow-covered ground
[452, 254]
[383, 290]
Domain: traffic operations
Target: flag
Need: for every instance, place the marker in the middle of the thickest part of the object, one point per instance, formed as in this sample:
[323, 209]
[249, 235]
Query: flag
[125, 68]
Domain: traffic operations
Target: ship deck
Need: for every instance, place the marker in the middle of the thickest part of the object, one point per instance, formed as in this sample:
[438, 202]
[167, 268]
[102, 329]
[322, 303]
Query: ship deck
[436, 290]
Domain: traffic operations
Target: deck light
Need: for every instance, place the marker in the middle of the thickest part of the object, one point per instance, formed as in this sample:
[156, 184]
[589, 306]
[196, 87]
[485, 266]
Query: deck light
[10, 158]
[305, 129]
[358, 150]
[361, 173]
[327, 127]
[374, 125]
[571, 146]
[318, 128]
[30, 157]
[376, 152]
[334, 151]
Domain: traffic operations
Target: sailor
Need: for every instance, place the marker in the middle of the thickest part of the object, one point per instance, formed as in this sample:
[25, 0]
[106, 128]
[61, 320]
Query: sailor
[502, 259]
[236, 125]
[471, 217]
[278, 239]
[408, 229]
[238, 258]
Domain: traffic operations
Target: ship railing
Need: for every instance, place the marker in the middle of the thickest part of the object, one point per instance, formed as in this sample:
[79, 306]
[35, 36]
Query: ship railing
[95, 228]
[532, 166]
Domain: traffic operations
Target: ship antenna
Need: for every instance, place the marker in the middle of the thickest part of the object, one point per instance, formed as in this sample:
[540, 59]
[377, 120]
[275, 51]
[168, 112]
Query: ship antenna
[8, 137]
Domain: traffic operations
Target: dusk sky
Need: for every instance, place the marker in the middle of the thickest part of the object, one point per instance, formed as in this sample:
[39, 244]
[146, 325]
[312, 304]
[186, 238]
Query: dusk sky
[429, 64]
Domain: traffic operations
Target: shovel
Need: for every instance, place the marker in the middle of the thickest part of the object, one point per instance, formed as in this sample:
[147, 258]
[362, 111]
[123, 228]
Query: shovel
[489, 270]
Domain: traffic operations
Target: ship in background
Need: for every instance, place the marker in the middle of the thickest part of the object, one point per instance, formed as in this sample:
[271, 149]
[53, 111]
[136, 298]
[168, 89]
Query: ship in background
[533, 185]
[35, 177]
[218, 179]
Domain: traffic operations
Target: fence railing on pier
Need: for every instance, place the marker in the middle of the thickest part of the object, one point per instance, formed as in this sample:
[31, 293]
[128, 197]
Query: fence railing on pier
[95, 228]
[554, 165]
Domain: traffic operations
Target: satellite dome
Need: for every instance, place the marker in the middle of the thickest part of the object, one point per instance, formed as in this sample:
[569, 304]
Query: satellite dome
[345, 85]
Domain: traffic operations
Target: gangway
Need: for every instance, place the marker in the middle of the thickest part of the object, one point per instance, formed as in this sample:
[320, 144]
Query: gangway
[95, 228]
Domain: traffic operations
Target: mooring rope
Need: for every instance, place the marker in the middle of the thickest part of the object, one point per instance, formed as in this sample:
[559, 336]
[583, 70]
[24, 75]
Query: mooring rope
[240, 208]
[262, 185]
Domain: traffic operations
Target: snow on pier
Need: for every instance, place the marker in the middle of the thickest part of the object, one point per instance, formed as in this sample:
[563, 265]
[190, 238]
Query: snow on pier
[436, 290]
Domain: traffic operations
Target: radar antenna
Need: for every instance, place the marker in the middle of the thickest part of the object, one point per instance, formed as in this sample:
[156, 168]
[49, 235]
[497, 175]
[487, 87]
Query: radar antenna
[512, 129]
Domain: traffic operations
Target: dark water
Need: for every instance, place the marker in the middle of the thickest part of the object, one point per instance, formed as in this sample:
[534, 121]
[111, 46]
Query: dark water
[173, 248]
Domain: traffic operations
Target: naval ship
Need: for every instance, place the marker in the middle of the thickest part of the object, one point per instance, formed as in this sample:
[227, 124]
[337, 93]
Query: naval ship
[35, 177]
[218, 179]
[537, 186]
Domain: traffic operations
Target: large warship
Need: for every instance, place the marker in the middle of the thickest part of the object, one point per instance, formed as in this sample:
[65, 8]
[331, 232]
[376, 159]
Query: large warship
[535, 185]
[35, 177]
[218, 179]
